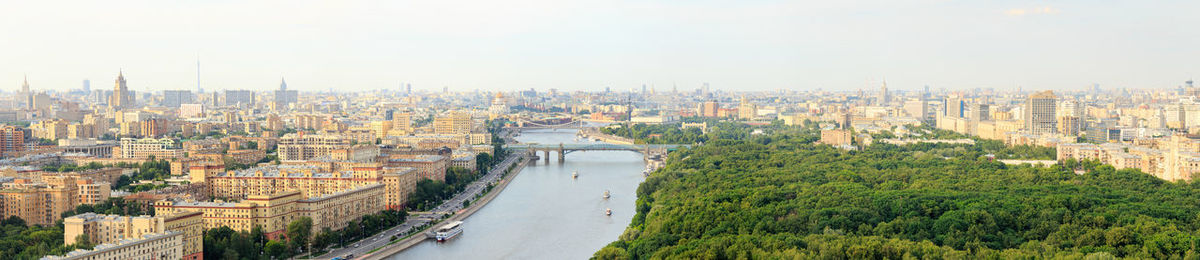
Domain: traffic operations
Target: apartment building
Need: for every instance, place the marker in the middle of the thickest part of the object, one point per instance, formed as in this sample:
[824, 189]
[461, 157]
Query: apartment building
[12, 140]
[274, 212]
[109, 229]
[312, 181]
[431, 167]
[453, 122]
[168, 245]
[145, 147]
[304, 147]
[38, 202]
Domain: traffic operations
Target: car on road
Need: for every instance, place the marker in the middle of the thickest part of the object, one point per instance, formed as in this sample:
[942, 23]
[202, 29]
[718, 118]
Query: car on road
[355, 245]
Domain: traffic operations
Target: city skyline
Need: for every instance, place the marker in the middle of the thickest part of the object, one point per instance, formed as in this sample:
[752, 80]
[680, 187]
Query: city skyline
[465, 45]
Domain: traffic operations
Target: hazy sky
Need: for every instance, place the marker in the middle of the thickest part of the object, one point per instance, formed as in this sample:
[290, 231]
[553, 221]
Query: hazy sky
[582, 45]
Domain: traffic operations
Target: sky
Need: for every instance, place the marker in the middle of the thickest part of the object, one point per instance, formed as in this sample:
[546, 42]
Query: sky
[589, 45]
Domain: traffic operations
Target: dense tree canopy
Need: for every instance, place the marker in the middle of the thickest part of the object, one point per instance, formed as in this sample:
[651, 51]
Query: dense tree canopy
[780, 196]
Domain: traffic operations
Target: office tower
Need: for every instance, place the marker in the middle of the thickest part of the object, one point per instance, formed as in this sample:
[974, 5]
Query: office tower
[87, 86]
[1040, 113]
[175, 98]
[955, 107]
[121, 98]
[284, 97]
[978, 112]
[408, 89]
[239, 97]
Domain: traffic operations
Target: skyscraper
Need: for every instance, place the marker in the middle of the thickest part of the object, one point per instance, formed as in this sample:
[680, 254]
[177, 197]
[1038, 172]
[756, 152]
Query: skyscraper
[120, 97]
[884, 96]
[26, 97]
[1040, 113]
[87, 86]
[283, 96]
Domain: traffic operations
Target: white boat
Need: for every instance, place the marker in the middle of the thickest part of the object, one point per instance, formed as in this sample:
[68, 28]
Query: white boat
[448, 231]
[608, 212]
[575, 175]
[606, 194]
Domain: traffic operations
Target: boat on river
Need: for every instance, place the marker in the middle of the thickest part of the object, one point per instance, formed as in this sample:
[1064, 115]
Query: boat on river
[575, 175]
[606, 194]
[448, 231]
[608, 212]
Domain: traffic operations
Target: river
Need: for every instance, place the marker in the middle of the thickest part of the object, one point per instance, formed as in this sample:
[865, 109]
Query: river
[544, 213]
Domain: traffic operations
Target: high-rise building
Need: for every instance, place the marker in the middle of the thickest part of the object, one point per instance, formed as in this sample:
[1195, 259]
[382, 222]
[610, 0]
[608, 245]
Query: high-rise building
[175, 98]
[954, 107]
[884, 96]
[747, 110]
[284, 97]
[709, 108]
[25, 97]
[87, 86]
[12, 140]
[121, 98]
[239, 97]
[978, 112]
[1040, 113]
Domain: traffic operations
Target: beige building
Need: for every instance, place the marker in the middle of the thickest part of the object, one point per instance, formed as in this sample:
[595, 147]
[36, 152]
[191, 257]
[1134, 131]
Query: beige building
[274, 212]
[431, 167]
[144, 148]
[837, 137]
[304, 147]
[53, 129]
[312, 181]
[39, 203]
[453, 122]
[110, 229]
[168, 245]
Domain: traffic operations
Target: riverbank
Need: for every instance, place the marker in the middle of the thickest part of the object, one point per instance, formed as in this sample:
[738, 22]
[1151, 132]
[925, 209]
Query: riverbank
[419, 237]
[607, 138]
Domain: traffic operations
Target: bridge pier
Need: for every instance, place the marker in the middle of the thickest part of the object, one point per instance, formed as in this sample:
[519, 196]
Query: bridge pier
[547, 156]
[562, 155]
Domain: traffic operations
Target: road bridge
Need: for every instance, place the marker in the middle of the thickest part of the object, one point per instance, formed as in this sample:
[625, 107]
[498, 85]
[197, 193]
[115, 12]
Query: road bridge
[647, 150]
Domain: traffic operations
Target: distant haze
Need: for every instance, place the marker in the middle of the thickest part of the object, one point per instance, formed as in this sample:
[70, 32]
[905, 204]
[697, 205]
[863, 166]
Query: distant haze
[588, 45]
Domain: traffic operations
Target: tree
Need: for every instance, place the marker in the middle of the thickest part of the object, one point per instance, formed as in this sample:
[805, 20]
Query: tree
[276, 249]
[299, 232]
[82, 241]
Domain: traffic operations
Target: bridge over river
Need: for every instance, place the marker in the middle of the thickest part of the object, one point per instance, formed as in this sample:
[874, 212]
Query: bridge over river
[563, 149]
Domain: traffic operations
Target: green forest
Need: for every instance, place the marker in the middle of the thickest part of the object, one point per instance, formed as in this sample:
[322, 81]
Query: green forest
[778, 195]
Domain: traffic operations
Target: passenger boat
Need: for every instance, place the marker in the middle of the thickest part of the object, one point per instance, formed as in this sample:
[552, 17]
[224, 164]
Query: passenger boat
[448, 231]
[606, 194]
[575, 175]
[608, 212]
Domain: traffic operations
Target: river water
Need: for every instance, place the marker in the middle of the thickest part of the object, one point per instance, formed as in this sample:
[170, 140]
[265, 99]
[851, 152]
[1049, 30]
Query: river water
[544, 213]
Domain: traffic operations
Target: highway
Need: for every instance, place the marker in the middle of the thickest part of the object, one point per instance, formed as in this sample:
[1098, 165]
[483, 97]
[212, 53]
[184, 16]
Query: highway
[417, 220]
